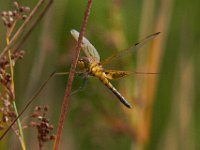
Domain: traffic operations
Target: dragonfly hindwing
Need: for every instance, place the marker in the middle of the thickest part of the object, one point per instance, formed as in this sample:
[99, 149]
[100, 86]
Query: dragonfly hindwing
[116, 74]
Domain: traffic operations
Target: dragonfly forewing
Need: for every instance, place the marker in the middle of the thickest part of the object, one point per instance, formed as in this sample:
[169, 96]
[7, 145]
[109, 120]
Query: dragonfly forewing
[88, 48]
[133, 48]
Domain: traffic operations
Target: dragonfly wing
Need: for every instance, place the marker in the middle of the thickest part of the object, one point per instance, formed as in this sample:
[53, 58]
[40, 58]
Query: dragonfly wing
[81, 87]
[88, 48]
[116, 74]
[133, 48]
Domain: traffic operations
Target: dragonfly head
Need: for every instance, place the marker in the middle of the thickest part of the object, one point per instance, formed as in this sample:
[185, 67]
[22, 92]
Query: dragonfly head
[83, 63]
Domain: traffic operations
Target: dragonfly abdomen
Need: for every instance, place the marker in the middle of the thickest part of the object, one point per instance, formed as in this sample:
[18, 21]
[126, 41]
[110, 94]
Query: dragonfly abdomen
[119, 96]
[97, 71]
[106, 82]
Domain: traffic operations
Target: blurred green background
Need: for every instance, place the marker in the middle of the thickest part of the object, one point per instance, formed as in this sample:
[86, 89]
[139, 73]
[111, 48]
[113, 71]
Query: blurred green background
[165, 113]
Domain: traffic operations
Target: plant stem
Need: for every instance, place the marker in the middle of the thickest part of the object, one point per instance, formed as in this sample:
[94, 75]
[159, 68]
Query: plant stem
[71, 76]
[21, 135]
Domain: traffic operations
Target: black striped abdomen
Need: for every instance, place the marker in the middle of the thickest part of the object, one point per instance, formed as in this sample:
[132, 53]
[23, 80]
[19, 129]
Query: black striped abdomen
[112, 88]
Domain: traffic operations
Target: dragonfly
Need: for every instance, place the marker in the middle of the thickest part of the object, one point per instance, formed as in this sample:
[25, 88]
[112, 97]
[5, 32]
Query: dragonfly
[92, 66]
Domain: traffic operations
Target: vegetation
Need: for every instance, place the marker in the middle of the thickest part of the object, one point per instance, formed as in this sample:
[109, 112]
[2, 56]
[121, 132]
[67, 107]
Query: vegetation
[165, 113]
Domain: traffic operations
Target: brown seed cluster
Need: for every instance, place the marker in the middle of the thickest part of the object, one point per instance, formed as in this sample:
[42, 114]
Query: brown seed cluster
[7, 95]
[4, 63]
[9, 17]
[8, 115]
[42, 124]
[5, 77]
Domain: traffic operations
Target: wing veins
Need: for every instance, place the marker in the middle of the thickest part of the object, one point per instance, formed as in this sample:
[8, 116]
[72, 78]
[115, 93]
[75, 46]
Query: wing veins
[133, 48]
[116, 74]
[87, 47]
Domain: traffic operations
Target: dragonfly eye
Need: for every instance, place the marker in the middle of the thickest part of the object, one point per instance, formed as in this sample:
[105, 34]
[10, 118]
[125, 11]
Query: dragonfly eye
[81, 64]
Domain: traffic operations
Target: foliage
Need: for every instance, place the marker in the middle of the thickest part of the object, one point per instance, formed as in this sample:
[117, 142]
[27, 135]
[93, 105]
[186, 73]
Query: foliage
[165, 113]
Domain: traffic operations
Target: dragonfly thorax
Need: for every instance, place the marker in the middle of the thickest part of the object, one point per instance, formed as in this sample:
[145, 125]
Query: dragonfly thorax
[83, 63]
[90, 65]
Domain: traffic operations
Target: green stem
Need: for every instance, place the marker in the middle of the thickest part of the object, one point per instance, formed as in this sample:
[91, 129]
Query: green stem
[21, 135]
[21, 138]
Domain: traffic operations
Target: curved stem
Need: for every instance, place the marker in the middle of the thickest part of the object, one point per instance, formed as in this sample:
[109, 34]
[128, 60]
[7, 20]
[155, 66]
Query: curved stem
[21, 135]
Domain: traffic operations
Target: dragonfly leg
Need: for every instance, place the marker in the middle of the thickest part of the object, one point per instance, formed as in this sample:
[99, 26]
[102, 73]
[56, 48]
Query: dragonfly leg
[81, 87]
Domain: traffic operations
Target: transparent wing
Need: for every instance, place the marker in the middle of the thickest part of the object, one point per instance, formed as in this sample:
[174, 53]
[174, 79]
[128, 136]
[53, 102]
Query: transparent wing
[88, 48]
[133, 48]
[116, 74]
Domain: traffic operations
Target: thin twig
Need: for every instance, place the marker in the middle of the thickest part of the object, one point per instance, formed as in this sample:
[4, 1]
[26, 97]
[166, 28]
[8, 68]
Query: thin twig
[33, 25]
[71, 76]
[22, 27]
